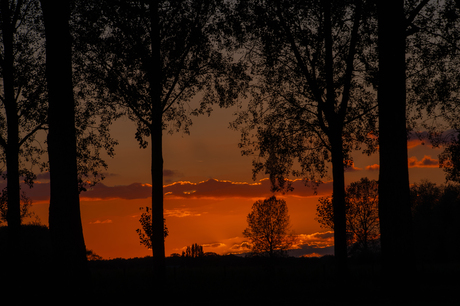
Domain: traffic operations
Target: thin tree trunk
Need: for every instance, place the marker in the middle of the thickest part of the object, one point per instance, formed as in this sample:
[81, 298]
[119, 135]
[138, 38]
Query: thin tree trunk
[12, 143]
[158, 246]
[158, 240]
[338, 206]
[64, 212]
[394, 205]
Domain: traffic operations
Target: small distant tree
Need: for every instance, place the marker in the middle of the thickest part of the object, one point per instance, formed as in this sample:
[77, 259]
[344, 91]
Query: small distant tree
[193, 251]
[361, 212]
[146, 232]
[268, 227]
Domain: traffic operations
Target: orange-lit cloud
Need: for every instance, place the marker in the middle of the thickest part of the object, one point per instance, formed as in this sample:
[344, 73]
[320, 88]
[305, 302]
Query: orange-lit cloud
[238, 248]
[425, 162]
[373, 167]
[101, 222]
[318, 240]
[311, 255]
[352, 167]
[308, 245]
[211, 188]
[179, 213]
[314, 245]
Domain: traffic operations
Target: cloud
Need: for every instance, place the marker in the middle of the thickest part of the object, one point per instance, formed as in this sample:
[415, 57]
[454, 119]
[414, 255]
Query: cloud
[373, 167]
[240, 247]
[318, 240]
[45, 176]
[126, 192]
[352, 168]
[179, 213]
[101, 222]
[310, 245]
[425, 162]
[213, 245]
[314, 245]
[169, 175]
[211, 188]
[312, 255]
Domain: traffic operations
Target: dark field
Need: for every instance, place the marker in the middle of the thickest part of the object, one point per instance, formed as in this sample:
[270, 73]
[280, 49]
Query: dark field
[231, 280]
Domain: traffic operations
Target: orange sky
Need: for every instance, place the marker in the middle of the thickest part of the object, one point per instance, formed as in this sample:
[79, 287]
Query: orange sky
[209, 192]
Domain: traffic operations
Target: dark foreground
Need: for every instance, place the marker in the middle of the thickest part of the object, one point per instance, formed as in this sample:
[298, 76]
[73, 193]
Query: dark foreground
[223, 280]
[231, 280]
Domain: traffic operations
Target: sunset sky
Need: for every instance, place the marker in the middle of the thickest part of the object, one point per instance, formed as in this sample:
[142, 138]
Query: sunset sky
[208, 192]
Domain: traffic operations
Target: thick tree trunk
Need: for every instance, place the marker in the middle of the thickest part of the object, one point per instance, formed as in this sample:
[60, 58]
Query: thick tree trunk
[338, 205]
[394, 205]
[64, 212]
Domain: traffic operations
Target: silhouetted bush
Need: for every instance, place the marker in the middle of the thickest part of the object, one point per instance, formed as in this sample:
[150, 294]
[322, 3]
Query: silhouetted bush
[34, 245]
[436, 221]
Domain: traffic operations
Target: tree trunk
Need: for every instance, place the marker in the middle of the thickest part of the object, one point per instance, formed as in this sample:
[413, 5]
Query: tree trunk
[338, 205]
[158, 239]
[13, 272]
[64, 212]
[12, 143]
[394, 205]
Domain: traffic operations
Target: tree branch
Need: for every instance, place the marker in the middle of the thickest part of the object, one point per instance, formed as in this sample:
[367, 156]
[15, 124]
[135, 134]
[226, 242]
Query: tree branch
[350, 62]
[310, 79]
[38, 127]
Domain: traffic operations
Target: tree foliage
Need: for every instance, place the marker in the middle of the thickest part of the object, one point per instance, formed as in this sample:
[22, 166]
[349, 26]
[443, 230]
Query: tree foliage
[302, 96]
[362, 215]
[26, 204]
[146, 231]
[120, 57]
[433, 64]
[312, 100]
[268, 227]
[435, 213]
[193, 251]
[22, 96]
[150, 60]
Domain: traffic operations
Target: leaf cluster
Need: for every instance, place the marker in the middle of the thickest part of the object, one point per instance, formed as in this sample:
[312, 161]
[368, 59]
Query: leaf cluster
[146, 231]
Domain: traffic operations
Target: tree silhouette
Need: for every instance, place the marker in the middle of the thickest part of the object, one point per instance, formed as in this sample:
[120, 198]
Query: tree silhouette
[145, 233]
[22, 98]
[433, 72]
[151, 60]
[394, 205]
[64, 212]
[435, 213]
[26, 204]
[193, 251]
[311, 105]
[362, 215]
[268, 227]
